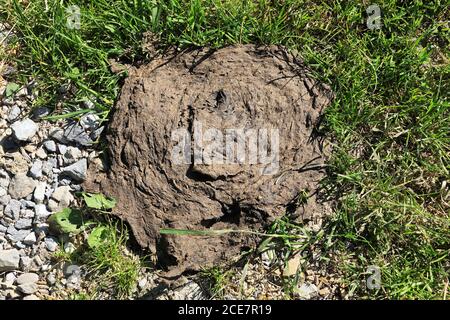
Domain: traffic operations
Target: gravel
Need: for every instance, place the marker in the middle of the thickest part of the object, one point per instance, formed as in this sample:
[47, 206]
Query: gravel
[9, 260]
[76, 171]
[21, 186]
[27, 278]
[36, 169]
[24, 130]
[50, 146]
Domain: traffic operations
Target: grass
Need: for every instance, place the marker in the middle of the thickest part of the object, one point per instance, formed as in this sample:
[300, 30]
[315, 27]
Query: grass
[110, 268]
[389, 121]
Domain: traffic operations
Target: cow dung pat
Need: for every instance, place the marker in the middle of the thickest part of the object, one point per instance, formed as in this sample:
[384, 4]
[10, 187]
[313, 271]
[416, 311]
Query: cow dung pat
[247, 115]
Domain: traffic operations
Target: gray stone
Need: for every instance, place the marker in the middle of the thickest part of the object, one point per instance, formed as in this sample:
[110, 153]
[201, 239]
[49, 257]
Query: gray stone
[39, 192]
[30, 239]
[25, 262]
[41, 213]
[28, 288]
[47, 167]
[63, 196]
[31, 297]
[75, 133]
[4, 178]
[71, 155]
[3, 192]
[36, 169]
[51, 279]
[14, 113]
[21, 186]
[54, 206]
[18, 235]
[5, 200]
[12, 209]
[27, 278]
[76, 171]
[41, 154]
[27, 203]
[62, 148]
[51, 244]
[23, 224]
[10, 278]
[50, 145]
[71, 269]
[58, 135]
[24, 130]
[9, 260]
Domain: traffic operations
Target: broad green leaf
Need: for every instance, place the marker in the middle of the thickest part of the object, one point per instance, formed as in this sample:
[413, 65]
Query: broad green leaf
[98, 236]
[98, 201]
[11, 89]
[67, 221]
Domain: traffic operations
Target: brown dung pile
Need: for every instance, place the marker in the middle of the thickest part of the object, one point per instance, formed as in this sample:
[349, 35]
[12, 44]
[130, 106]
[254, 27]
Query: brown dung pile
[247, 88]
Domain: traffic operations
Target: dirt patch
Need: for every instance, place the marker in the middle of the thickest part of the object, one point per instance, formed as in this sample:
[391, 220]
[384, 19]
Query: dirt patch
[224, 181]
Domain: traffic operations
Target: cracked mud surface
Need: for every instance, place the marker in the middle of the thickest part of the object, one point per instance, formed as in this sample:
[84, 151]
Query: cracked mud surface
[244, 87]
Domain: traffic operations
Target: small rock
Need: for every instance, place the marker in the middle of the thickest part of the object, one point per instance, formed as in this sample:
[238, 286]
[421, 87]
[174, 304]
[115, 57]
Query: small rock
[190, 291]
[54, 206]
[76, 171]
[30, 297]
[14, 113]
[142, 283]
[63, 196]
[324, 292]
[62, 148]
[25, 262]
[307, 291]
[51, 244]
[4, 200]
[17, 235]
[30, 239]
[36, 169]
[47, 166]
[50, 145]
[13, 208]
[4, 179]
[10, 278]
[9, 260]
[41, 154]
[39, 192]
[51, 279]
[27, 278]
[71, 269]
[21, 186]
[75, 133]
[23, 224]
[58, 135]
[24, 130]
[69, 247]
[28, 288]
[71, 155]
[41, 213]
